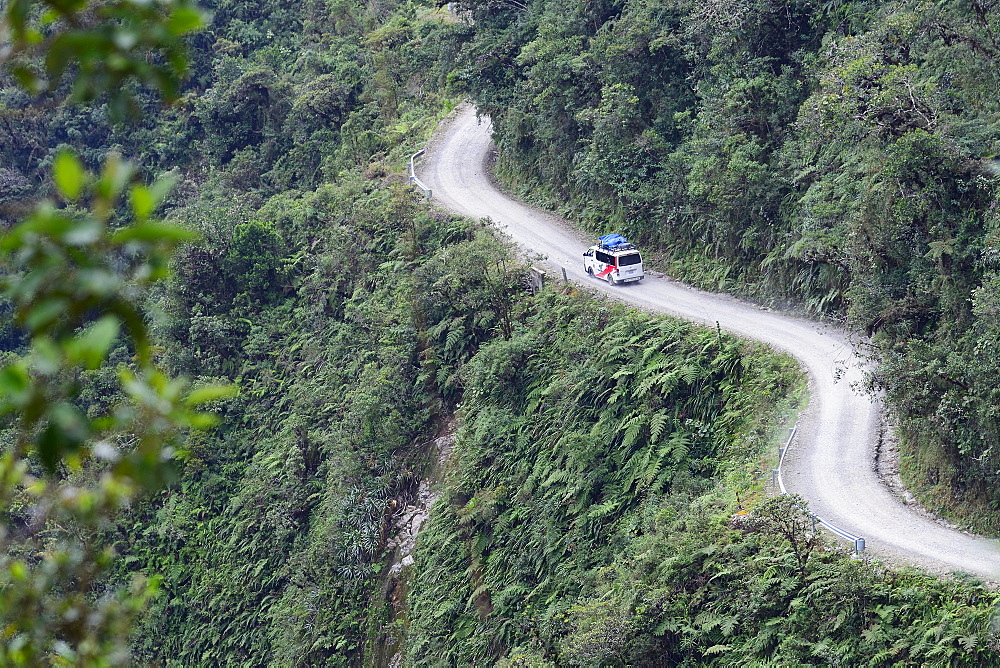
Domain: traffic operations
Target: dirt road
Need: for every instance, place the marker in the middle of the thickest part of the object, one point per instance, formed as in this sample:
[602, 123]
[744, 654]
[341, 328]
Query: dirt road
[832, 460]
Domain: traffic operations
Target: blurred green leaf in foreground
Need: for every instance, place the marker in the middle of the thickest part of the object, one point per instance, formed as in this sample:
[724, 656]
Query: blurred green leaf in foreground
[75, 273]
[76, 281]
[98, 47]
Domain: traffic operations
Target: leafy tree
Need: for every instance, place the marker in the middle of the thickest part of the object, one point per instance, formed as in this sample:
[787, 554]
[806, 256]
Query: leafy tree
[252, 263]
[75, 277]
[243, 113]
[75, 281]
[100, 47]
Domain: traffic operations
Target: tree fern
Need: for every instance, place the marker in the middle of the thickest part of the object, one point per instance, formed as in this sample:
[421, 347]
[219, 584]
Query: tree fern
[691, 373]
[534, 397]
[605, 508]
[654, 468]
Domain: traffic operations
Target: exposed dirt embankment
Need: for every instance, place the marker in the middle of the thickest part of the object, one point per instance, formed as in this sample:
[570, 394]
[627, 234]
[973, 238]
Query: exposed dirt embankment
[411, 518]
[404, 529]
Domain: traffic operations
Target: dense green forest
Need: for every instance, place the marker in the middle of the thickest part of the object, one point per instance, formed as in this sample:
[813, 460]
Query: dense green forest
[841, 155]
[605, 499]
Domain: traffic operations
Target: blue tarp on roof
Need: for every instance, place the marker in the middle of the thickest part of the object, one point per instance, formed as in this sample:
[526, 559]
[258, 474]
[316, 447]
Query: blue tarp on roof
[612, 240]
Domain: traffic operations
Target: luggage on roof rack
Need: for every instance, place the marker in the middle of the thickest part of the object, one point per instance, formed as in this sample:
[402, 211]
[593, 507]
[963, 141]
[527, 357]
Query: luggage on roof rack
[614, 241]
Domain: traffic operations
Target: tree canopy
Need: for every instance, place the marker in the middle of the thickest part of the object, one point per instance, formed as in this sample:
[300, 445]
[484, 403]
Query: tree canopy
[251, 250]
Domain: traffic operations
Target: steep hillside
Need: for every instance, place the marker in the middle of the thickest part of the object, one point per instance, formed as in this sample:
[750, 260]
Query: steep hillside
[605, 498]
[836, 155]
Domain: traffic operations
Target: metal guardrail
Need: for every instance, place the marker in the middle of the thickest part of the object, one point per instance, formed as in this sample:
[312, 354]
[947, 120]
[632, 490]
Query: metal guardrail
[859, 542]
[413, 177]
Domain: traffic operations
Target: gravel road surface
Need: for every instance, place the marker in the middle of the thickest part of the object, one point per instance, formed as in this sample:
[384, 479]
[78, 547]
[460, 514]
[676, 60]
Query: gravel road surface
[831, 462]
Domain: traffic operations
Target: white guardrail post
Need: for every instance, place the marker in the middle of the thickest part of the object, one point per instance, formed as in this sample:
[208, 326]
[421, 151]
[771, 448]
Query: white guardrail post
[859, 542]
[413, 177]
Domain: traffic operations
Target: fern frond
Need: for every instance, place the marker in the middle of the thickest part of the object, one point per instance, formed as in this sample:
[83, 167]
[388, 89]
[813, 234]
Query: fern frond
[690, 373]
[633, 428]
[717, 649]
[657, 424]
[680, 446]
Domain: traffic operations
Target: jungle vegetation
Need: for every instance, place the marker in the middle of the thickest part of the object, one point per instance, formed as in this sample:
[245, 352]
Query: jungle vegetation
[839, 156]
[261, 254]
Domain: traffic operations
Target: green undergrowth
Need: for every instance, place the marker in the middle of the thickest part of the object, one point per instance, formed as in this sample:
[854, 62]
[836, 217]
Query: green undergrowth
[937, 482]
[837, 156]
[607, 505]
[606, 502]
[344, 319]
